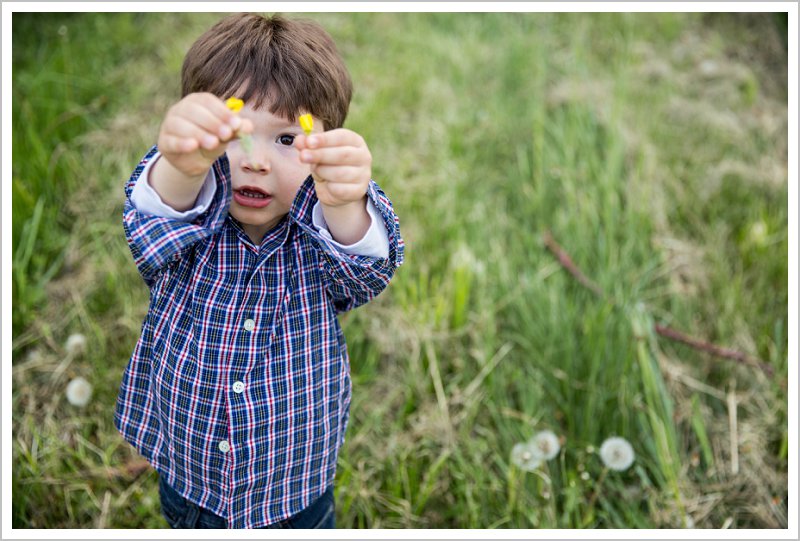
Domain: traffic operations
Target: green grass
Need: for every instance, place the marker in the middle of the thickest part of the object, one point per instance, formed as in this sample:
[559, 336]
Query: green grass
[653, 148]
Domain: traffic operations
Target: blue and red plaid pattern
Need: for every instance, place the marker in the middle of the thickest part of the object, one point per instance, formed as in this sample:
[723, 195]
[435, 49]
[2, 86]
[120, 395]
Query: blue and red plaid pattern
[238, 389]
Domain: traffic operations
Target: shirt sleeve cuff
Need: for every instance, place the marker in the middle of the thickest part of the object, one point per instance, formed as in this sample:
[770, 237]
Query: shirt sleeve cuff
[375, 242]
[147, 200]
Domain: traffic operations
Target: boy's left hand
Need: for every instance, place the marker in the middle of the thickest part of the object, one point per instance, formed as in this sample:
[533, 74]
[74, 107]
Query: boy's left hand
[341, 165]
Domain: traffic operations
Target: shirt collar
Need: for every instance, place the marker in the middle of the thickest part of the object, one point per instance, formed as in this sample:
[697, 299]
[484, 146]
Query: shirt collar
[274, 237]
[304, 202]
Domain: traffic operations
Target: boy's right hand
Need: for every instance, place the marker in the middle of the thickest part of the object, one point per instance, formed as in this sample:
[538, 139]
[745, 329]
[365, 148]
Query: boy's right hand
[196, 132]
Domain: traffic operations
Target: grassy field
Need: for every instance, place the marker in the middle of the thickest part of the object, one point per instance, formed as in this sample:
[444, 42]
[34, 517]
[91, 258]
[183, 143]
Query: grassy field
[652, 147]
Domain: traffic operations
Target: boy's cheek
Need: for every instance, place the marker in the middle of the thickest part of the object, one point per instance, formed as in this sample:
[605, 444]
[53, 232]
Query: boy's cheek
[233, 152]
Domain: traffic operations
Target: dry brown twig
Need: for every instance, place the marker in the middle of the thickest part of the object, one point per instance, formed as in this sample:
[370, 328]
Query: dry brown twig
[667, 332]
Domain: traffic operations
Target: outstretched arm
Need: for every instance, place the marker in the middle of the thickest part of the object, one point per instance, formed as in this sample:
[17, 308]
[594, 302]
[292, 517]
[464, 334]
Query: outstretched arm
[341, 165]
[195, 132]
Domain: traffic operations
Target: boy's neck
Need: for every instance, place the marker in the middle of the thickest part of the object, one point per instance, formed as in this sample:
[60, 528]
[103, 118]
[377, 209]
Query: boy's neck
[256, 233]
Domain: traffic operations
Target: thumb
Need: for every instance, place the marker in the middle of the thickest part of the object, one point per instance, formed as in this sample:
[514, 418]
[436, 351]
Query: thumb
[301, 142]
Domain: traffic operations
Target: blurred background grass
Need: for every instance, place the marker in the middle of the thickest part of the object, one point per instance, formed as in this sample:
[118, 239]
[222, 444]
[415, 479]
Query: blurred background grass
[652, 146]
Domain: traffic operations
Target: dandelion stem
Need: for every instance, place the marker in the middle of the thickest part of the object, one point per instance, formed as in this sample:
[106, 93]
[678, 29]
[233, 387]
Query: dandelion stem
[733, 427]
[596, 492]
[235, 105]
[512, 490]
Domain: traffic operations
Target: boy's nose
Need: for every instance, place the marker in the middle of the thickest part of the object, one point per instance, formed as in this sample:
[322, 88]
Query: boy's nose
[255, 165]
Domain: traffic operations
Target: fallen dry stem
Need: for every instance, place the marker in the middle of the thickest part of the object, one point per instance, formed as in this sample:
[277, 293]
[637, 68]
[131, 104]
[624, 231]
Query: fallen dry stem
[667, 332]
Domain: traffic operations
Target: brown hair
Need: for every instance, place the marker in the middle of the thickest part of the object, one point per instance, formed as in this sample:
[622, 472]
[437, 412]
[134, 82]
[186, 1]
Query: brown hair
[292, 65]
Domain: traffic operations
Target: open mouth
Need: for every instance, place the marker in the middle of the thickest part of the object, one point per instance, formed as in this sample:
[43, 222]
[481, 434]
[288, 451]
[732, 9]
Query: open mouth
[252, 193]
[250, 196]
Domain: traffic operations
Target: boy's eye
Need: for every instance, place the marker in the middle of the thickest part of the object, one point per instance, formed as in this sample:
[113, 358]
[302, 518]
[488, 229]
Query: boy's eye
[286, 139]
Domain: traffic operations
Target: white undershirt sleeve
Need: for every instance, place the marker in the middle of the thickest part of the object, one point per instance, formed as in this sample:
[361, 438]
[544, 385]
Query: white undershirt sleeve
[375, 242]
[147, 200]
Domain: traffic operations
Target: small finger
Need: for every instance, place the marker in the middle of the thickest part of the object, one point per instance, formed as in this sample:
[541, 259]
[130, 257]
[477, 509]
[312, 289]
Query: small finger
[245, 127]
[178, 145]
[340, 173]
[300, 142]
[210, 113]
[335, 138]
[210, 121]
[182, 127]
[218, 108]
[186, 146]
[336, 156]
[345, 192]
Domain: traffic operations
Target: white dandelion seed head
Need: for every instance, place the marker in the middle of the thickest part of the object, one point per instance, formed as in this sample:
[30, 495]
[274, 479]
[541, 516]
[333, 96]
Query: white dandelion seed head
[585, 476]
[464, 258]
[709, 68]
[525, 457]
[759, 233]
[617, 454]
[75, 344]
[546, 444]
[79, 392]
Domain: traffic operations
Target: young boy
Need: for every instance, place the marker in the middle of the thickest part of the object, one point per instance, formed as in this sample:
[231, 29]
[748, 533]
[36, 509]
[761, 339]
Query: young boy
[238, 389]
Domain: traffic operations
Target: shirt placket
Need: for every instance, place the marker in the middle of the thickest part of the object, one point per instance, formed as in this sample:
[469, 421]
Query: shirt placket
[253, 327]
[245, 320]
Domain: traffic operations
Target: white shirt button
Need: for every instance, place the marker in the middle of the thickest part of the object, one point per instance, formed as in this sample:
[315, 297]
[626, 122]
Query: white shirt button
[238, 387]
[249, 324]
[224, 446]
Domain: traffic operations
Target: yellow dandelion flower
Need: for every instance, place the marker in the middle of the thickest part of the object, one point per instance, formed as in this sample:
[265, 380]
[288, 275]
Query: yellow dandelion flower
[234, 104]
[307, 123]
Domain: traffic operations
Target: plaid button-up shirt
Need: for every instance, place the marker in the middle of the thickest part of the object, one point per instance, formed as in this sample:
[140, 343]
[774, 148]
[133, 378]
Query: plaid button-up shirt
[238, 389]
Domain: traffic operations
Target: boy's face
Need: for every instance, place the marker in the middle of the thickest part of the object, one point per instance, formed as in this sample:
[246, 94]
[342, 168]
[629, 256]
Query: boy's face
[266, 182]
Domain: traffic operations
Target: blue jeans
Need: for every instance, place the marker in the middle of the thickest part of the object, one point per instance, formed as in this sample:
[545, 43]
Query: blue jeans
[181, 513]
